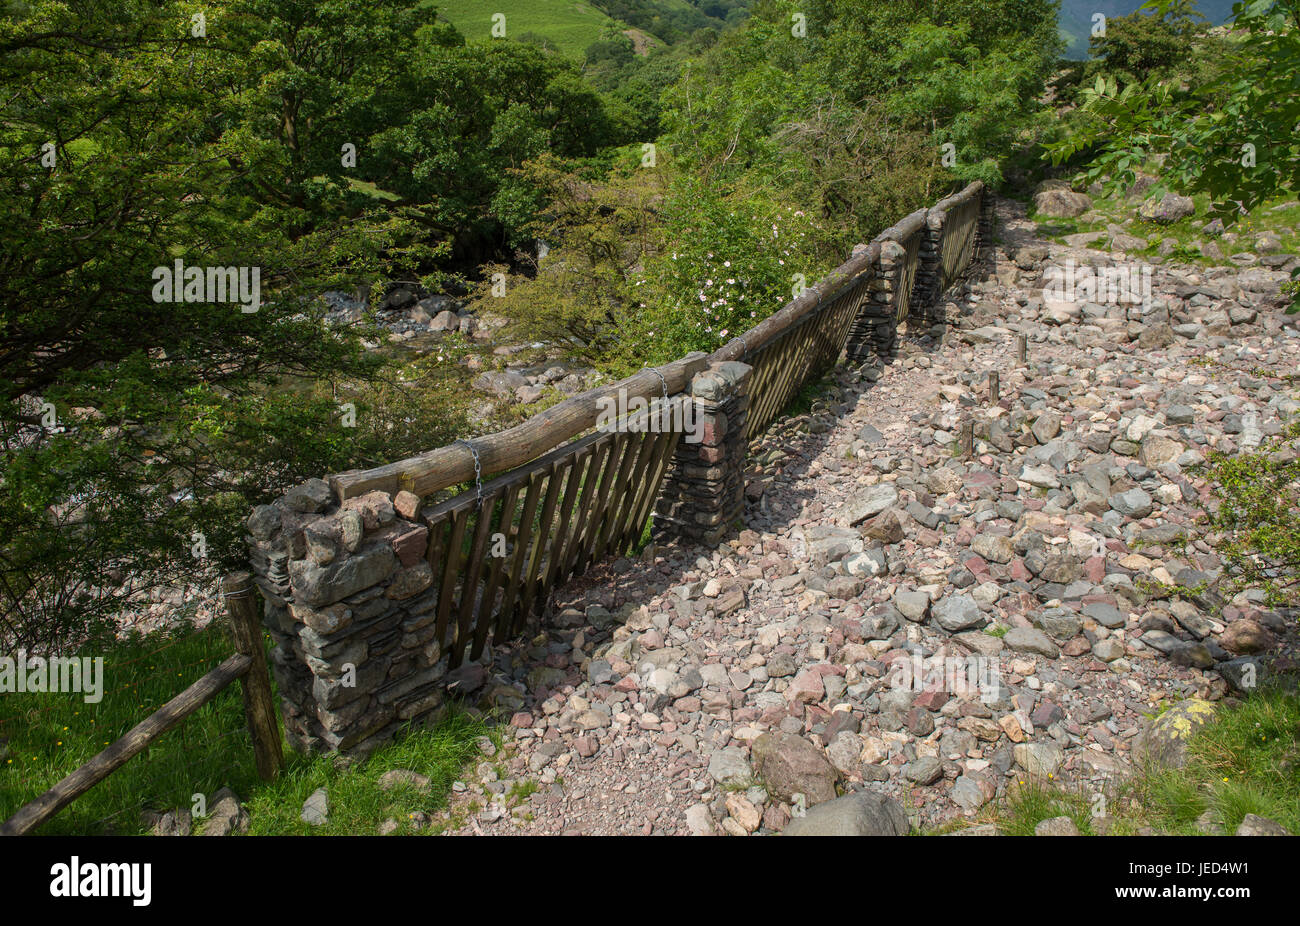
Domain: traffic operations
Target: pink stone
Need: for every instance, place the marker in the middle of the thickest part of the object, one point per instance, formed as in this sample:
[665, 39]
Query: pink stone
[807, 687]
[410, 545]
[407, 504]
[931, 699]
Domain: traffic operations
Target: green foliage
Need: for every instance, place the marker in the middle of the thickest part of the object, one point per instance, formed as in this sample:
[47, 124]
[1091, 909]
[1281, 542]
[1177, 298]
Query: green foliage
[599, 230]
[134, 432]
[1231, 136]
[729, 261]
[1147, 43]
[44, 738]
[1258, 514]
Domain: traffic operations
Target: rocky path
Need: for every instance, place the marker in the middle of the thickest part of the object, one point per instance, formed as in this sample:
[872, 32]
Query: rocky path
[1027, 591]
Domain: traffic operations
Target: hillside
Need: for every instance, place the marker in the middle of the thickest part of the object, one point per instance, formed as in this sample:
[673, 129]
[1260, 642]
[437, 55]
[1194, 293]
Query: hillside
[1075, 21]
[571, 25]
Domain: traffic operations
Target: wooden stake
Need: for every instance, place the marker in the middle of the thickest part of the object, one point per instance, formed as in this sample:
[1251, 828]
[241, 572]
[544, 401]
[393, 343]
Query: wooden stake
[994, 387]
[241, 598]
[1022, 350]
[967, 439]
[132, 743]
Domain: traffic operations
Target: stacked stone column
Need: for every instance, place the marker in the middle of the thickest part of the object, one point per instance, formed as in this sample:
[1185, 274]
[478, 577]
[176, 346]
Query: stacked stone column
[874, 331]
[352, 614]
[703, 495]
[927, 288]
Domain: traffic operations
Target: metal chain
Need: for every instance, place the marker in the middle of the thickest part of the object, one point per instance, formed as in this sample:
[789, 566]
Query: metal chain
[478, 470]
[661, 379]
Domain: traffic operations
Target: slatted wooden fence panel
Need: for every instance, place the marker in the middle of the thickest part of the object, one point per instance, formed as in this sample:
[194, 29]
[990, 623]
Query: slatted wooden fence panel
[550, 519]
[958, 248]
[801, 353]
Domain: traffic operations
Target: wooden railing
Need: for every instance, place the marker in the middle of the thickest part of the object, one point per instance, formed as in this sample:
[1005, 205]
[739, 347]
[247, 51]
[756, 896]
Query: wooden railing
[247, 665]
[801, 341]
[568, 488]
[957, 248]
[498, 552]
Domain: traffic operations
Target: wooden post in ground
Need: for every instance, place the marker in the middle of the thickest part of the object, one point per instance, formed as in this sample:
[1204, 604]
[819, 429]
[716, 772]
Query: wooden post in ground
[240, 594]
[1022, 350]
[994, 387]
[966, 441]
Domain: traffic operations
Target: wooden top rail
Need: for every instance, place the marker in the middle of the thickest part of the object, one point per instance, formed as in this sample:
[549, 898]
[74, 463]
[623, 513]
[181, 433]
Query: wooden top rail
[971, 189]
[820, 293]
[437, 469]
[32, 815]
[905, 228]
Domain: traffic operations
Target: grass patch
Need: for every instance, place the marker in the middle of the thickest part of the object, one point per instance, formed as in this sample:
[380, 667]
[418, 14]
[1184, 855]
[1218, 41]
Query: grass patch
[570, 25]
[1247, 760]
[357, 804]
[45, 737]
[51, 735]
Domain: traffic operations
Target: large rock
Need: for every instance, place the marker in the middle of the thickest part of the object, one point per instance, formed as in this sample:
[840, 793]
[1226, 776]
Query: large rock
[1061, 204]
[1167, 209]
[1157, 450]
[860, 814]
[995, 548]
[1039, 759]
[729, 766]
[1245, 636]
[1030, 640]
[868, 503]
[1135, 503]
[1255, 825]
[957, 612]
[317, 586]
[1163, 741]
[227, 815]
[315, 810]
[790, 765]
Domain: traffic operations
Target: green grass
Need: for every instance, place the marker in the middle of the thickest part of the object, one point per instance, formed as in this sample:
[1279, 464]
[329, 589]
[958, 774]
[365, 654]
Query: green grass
[1187, 232]
[1247, 760]
[571, 25]
[50, 736]
[357, 804]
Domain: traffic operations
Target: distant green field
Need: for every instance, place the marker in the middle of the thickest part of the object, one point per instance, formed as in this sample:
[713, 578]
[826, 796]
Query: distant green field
[571, 24]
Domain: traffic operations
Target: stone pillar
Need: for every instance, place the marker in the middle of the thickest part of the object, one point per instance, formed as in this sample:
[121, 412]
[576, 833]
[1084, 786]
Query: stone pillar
[874, 332]
[927, 288]
[350, 609]
[984, 228]
[703, 495]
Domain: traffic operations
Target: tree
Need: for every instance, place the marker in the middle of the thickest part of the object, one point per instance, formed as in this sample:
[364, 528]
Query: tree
[135, 431]
[1233, 137]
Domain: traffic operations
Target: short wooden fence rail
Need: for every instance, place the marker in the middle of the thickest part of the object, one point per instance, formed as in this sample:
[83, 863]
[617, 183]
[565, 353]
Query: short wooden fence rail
[247, 665]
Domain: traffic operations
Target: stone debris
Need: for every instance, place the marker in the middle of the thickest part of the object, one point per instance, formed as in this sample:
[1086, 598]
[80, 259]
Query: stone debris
[898, 634]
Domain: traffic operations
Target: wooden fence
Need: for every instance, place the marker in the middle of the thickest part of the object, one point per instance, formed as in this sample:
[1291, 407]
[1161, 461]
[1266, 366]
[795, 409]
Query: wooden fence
[247, 665]
[551, 496]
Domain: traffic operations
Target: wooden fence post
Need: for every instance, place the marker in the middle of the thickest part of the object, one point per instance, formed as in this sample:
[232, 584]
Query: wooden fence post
[994, 387]
[240, 594]
[967, 439]
[1022, 350]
